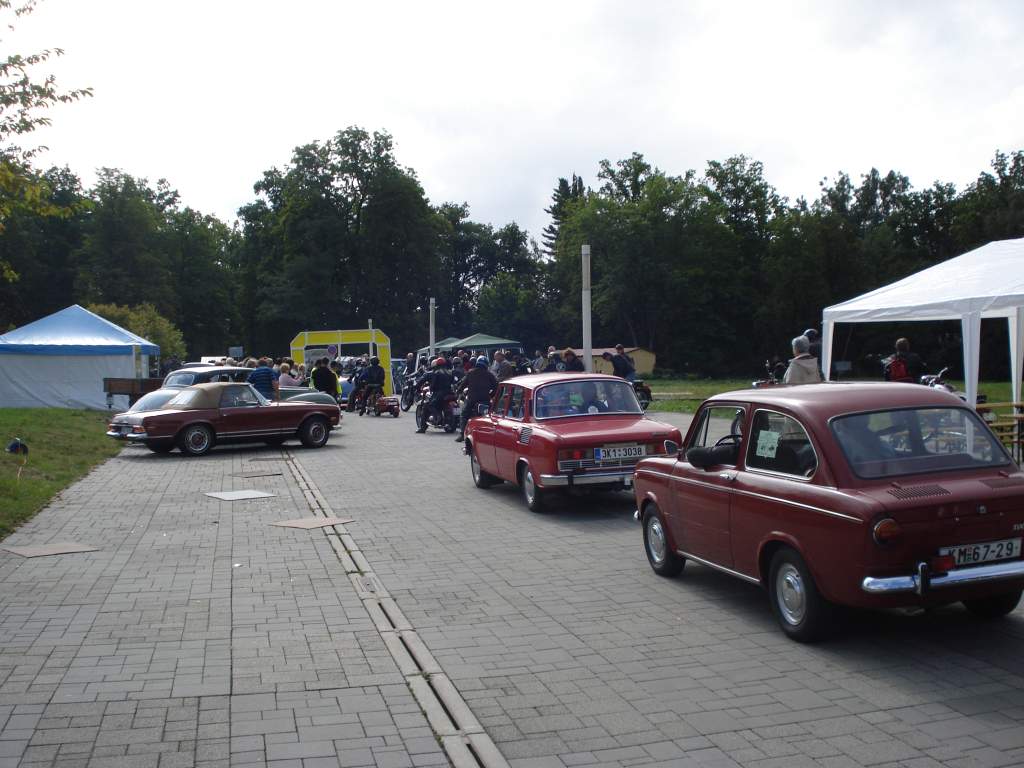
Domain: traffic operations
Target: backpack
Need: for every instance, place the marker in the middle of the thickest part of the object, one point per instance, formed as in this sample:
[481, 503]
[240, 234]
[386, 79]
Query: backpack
[897, 370]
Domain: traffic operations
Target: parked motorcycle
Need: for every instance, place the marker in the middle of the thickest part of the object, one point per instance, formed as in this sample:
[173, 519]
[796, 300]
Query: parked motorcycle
[447, 419]
[938, 381]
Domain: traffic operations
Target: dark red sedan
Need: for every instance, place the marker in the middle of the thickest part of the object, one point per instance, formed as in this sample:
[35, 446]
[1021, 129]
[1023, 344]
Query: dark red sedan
[202, 415]
[871, 495]
[565, 431]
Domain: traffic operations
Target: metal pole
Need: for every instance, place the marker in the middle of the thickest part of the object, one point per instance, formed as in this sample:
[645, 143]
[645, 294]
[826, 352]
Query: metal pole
[433, 312]
[371, 337]
[588, 346]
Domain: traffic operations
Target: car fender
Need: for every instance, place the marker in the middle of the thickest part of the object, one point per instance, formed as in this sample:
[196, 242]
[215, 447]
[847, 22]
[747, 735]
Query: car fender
[204, 422]
[315, 415]
[650, 500]
[766, 551]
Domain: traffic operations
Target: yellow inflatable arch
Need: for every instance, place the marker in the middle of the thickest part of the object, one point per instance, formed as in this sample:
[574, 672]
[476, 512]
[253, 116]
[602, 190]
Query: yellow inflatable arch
[318, 343]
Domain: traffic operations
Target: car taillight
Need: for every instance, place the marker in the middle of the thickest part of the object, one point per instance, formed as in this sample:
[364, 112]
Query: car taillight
[655, 448]
[943, 563]
[887, 531]
[575, 454]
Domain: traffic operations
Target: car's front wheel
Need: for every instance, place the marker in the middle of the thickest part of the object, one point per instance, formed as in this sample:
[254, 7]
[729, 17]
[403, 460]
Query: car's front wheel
[994, 606]
[534, 497]
[196, 439]
[481, 478]
[803, 614]
[663, 560]
[314, 432]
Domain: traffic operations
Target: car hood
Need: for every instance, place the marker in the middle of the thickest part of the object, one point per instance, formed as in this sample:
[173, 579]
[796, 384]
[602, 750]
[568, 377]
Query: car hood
[604, 429]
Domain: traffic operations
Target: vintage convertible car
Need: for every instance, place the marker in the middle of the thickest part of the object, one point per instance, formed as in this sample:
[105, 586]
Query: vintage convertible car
[562, 431]
[867, 494]
[202, 415]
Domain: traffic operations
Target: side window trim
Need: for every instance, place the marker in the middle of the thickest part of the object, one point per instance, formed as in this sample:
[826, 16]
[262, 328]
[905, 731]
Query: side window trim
[774, 472]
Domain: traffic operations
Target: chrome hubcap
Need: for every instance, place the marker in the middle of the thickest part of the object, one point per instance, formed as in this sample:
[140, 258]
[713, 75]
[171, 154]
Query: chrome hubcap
[317, 432]
[790, 594]
[656, 544]
[474, 466]
[198, 439]
[528, 487]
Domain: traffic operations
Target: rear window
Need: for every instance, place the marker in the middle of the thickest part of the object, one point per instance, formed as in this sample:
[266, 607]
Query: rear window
[585, 397]
[914, 440]
[180, 380]
[188, 399]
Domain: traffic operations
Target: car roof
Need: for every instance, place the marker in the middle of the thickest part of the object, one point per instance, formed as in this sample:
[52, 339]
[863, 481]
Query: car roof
[534, 380]
[821, 402]
[211, 390]
[204, 369]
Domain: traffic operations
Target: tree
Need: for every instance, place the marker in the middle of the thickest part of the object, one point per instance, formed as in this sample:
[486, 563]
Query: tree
[565, 194]
[23, 98]
[143, 320]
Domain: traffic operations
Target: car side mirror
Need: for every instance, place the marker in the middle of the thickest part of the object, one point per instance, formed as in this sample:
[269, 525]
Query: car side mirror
[700, 457]
[483, 409]
[671, 447]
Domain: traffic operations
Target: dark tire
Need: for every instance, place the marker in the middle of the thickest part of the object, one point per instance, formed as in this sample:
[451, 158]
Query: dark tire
[534, 497]
[314, 433]
[481, 478]
[395, 413]
[274, 441]
[663, 560]
[408, 398]
[196, 440]
[644, 399]
[803, 614]
[994, 607]
[421, 417]
[161, 447]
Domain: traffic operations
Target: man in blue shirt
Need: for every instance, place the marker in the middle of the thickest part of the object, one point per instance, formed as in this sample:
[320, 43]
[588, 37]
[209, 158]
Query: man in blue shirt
[263, 379]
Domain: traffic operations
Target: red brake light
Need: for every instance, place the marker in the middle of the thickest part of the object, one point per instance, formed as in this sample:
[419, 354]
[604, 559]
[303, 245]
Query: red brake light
[943, 563]
[887, 531]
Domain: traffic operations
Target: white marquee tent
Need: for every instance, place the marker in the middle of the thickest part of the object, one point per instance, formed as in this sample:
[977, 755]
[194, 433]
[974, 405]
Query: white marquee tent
[60, 361]
[984, 283]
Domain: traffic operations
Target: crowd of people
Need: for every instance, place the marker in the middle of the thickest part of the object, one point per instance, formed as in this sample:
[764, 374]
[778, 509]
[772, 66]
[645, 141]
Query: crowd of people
[805, 365]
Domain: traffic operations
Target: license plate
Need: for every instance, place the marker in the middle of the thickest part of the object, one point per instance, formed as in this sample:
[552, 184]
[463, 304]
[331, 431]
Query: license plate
[971, 554]
[620, 452]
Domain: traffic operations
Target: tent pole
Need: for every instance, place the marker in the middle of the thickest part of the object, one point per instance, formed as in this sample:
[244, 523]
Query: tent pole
[827, 332]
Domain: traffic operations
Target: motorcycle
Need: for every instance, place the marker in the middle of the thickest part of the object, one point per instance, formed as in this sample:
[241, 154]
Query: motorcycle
[937, 381]
[643, 393]
[447, 419]
[409, 388]
[775, 371]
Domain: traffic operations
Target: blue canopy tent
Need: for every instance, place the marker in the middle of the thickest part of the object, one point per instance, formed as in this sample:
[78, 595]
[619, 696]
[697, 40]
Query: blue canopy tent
[60, 361]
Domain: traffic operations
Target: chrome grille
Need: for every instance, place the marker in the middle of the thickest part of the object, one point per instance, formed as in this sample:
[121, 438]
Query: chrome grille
[524, 435]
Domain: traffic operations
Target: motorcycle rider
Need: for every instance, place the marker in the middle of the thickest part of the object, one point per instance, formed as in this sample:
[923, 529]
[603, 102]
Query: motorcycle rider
[373, 383]
[440, 383]
[358, 381]
[479, 384]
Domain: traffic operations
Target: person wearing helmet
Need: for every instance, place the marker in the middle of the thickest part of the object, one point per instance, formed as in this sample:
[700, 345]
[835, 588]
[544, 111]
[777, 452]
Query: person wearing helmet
[373, 383]
[479, 384]
[440, 382]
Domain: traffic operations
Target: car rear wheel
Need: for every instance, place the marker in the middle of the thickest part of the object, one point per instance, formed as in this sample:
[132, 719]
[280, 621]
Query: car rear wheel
[195, 440]
[663, 560]
[314, 432]
[803, 614]
[164, 446]
[533, 496]
[995, 606]
[481, 478]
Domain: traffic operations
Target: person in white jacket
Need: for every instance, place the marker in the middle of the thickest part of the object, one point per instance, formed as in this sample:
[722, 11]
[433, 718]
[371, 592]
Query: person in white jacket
[803, 368]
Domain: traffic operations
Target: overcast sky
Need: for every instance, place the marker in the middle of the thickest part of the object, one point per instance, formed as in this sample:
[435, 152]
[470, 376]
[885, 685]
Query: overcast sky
[491, 102]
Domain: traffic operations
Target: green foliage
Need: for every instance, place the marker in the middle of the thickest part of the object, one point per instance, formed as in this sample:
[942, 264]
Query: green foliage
[63, 446]
[144, 320]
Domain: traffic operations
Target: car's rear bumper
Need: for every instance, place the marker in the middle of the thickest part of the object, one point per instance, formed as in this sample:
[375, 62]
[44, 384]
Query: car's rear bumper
[623, 476]
[924, 581]
[131, 437]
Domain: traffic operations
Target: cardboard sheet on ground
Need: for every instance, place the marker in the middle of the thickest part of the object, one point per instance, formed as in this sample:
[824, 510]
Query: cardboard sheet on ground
[55, 548]
[239, 495]
[307, 523]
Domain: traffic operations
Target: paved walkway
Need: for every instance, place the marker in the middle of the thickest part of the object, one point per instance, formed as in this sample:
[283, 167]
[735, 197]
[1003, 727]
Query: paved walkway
[201, 635]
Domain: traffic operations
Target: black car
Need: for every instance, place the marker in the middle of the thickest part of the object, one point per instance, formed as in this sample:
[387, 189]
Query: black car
[186, 377]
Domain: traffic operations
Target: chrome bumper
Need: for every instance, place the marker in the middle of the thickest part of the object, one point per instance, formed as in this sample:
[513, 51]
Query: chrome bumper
[624, 476]
[923, 581]
[141, 436]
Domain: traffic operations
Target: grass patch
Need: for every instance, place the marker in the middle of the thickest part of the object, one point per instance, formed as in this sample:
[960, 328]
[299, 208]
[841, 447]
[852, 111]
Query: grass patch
[694, 392]
[63, 446]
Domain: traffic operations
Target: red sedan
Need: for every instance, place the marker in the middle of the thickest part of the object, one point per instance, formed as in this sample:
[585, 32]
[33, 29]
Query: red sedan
[202, 415]
[870, 495]
[547, 432]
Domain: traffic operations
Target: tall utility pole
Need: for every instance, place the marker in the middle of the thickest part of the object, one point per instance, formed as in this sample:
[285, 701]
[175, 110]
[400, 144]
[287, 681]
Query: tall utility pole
[433, 339]
[588, 344]
[371, 337]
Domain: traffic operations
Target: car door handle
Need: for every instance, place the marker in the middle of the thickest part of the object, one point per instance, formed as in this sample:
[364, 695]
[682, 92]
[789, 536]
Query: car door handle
[727, 475]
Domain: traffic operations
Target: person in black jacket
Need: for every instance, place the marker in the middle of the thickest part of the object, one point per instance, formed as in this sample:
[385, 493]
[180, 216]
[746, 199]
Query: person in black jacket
[373, 383]
[479, 384]
[440, 382]
[572, 363]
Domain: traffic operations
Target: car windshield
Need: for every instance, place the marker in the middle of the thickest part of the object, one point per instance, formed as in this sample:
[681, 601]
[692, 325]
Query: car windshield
[153, 400]
[188, 399]
[914, 440]
[179, 380]
[587, 396]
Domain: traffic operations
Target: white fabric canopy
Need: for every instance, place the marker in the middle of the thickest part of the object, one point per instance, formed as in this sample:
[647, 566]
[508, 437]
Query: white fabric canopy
[984, 283]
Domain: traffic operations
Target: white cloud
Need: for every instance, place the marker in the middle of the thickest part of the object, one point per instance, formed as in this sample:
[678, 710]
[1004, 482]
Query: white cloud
[491, 104]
